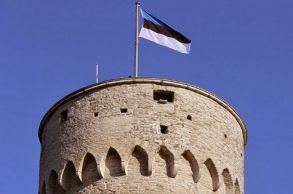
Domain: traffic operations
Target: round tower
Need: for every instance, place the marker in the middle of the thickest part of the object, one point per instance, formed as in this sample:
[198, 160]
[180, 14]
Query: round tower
[142, 135]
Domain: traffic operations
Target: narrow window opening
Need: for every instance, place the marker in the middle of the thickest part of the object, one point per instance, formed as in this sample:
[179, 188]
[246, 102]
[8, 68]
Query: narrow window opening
[213, 174]
[141, 155]
[64, 115]
[225, 135]
[123, 110]
[90, 172]
[166, 155]
[193, 164]
[189, 117]
[237, 187]
[164, 129]
[228, 181]
[53, 184]
[96, 114]
[163, 96]
[70, 179]
[114, 163]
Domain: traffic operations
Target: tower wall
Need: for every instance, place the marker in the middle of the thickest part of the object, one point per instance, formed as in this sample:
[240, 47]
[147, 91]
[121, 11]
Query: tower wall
[142, 136]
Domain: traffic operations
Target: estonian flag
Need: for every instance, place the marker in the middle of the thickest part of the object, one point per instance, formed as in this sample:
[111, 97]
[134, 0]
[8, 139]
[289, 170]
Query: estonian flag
[157, 31]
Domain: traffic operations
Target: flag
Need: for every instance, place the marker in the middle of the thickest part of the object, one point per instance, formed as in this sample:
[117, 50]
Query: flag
[157, 31]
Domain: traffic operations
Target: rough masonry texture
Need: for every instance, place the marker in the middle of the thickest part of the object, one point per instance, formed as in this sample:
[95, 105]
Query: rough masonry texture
[142, 135]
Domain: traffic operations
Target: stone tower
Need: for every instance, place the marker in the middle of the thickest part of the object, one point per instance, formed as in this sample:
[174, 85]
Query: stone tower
[142, 135]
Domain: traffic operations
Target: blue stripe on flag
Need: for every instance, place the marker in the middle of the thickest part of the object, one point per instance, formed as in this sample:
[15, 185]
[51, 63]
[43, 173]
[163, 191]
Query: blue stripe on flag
[153, 19]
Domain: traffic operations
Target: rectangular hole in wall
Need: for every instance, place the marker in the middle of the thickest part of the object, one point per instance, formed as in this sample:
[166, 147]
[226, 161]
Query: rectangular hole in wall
[163, 95]
[189, 117]
[96, 114]
[123, 110]
[64, 115]
[164, 129]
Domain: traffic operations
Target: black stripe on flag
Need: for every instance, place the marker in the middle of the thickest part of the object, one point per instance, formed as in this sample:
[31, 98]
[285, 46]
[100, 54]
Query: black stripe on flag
[165, 31]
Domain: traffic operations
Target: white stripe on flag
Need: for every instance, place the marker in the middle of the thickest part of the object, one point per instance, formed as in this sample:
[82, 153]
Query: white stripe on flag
[164, 40]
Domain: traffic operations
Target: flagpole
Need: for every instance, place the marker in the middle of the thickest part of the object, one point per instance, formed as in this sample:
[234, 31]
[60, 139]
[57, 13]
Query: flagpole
[97, 73]
[137, 5]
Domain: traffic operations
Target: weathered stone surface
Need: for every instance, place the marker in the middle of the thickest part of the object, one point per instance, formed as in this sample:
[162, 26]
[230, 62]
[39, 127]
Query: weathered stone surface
[128, 153]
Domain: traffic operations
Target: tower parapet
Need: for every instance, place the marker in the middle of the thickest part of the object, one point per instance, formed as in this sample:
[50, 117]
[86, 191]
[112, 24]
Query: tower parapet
[142, 135]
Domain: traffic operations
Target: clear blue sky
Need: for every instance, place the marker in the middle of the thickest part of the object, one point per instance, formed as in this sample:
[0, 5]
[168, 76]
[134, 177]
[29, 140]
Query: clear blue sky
[241, 50]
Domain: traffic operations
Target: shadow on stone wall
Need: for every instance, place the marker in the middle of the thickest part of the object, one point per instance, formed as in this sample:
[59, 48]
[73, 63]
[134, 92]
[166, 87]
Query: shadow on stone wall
[113, 166]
